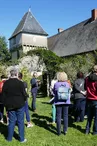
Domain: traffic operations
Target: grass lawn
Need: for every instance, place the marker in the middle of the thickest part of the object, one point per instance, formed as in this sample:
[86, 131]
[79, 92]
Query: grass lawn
[43, 134]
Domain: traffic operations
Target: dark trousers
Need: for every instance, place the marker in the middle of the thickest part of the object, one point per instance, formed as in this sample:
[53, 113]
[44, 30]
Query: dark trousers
[59, 109]
[16, 115]
[80, 105]
[34, 94]
[1, 110]
[92, 112]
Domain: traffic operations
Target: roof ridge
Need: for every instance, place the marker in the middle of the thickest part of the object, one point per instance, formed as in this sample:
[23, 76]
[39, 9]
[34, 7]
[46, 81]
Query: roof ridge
[68, 28]
[25, 20]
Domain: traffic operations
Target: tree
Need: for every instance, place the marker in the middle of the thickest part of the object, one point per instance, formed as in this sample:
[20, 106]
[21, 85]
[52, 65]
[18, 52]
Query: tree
[4, 53]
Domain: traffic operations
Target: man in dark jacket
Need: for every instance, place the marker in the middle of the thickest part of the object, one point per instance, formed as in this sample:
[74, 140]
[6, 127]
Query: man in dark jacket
[34, 89]
[91, 88]
[14, 97]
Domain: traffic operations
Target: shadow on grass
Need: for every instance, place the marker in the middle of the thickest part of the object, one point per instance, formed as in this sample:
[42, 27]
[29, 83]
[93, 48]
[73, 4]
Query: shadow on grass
[4, 131]
[44, 121]
[72, 124]
[29, 108]
[46, 103]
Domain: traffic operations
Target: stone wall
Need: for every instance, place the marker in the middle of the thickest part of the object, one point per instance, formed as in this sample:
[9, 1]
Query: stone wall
[32, 63]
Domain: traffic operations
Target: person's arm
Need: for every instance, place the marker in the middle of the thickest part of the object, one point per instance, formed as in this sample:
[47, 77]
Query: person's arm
[77, 87]
[24, 93]
[3, 94]
[25, 85]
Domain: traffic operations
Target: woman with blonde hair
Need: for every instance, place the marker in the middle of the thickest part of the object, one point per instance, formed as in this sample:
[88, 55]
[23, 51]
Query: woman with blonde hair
[62, 100]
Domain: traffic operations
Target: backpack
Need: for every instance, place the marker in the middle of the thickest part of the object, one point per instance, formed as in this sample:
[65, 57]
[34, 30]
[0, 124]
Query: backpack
[1, 86]
[63, 93]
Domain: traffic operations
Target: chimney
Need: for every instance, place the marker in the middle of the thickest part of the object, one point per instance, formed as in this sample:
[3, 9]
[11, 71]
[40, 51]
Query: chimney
[94, 14]
[60, 30]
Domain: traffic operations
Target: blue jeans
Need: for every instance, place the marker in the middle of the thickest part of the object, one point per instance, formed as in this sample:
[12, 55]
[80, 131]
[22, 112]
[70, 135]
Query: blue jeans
[27, 112]
[34, 94]
[16, 115]
[59, 109]
[92, 112]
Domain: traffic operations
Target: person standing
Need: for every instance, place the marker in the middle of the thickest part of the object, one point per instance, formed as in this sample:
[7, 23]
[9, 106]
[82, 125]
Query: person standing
[14, 97]
[52, 100]
[3, 79]
[34, 89]
[29, 124]
[91, 88]
[79, 97]
[61, 105]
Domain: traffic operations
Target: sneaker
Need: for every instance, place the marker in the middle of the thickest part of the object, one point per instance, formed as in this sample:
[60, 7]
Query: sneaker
[30, 125]
[25, 140]
[85, 117]
[53, 123]
[87, 132]
[1, 121]
[65, 132]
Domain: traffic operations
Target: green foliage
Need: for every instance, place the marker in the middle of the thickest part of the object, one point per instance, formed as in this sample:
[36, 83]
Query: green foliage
[4, 53]
[82, 62]
[51, 60]
[12, 62]
[2, 70]
[26, 76]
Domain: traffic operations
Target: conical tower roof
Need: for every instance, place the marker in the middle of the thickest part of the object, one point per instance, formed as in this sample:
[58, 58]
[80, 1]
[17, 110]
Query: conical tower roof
[30, 25]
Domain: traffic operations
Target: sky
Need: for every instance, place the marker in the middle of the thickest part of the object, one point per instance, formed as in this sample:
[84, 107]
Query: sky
[51, 14]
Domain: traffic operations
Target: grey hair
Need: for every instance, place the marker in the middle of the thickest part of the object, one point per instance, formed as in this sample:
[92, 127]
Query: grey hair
[95, 68]
[13, 73]
[62, 76]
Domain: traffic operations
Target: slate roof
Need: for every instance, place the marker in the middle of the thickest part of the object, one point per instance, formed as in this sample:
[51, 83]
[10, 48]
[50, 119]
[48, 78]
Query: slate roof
[29, 24]
[75, 40]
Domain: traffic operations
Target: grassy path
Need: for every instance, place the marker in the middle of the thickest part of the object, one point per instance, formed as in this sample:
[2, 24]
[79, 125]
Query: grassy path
[43, 134]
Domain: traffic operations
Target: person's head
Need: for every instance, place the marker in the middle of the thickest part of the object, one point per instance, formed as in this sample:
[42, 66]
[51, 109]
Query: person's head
[62, 76]
[35, 74]
[80, 74]
[95, 68]
[13, 73]
[20, 75]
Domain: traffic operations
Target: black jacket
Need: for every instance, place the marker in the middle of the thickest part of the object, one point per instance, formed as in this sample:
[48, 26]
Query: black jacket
[14, 94]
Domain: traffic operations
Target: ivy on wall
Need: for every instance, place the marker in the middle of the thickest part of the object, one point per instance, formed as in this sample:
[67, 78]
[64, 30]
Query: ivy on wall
[71, 65]
[51, 60]
[83, 62]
